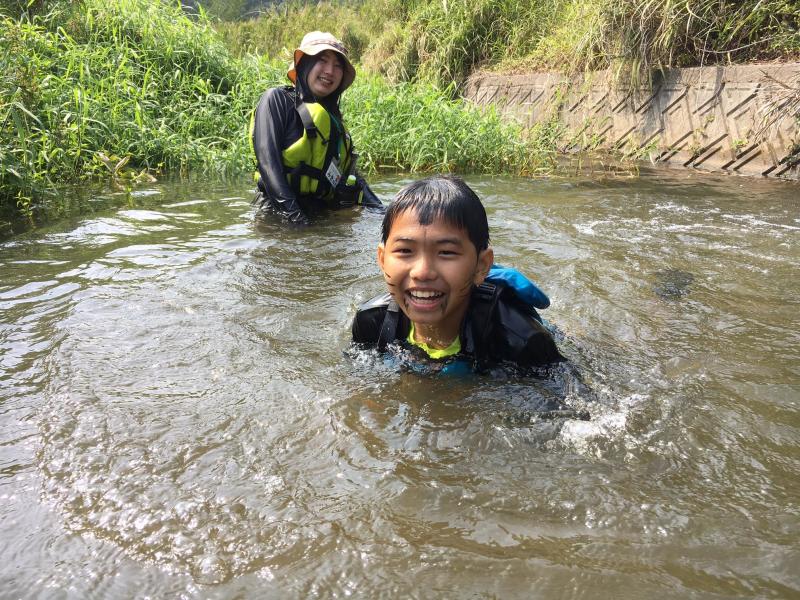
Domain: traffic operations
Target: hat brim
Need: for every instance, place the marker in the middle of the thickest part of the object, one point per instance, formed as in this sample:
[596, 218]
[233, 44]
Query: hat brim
[348, 76]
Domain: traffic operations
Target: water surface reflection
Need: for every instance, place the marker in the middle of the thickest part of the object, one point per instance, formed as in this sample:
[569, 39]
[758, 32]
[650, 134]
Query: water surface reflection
[179, 416]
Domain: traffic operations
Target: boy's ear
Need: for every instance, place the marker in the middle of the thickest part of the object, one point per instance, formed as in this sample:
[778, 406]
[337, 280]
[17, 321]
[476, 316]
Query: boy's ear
[485, 262]
[381, 250]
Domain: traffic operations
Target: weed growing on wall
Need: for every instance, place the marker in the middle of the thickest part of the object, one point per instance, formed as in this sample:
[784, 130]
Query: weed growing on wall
[443, 42]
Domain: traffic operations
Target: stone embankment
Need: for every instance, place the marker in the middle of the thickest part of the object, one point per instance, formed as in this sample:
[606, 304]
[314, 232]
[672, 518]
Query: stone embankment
[739, 119]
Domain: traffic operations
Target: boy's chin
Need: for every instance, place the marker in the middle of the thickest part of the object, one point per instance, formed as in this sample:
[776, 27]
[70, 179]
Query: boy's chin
[433, 318]
[423, 319]
[427, 314]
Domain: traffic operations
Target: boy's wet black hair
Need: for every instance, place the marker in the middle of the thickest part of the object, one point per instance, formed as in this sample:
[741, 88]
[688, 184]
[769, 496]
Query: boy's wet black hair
[444, 197]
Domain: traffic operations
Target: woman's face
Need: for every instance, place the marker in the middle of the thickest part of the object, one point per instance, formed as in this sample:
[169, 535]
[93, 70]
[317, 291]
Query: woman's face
[326, 75]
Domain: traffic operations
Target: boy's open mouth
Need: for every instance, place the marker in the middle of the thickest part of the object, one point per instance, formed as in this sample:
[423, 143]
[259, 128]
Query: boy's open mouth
[423, 298]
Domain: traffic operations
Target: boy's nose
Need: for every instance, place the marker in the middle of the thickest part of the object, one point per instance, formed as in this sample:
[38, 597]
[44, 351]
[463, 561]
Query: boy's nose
[423, 270]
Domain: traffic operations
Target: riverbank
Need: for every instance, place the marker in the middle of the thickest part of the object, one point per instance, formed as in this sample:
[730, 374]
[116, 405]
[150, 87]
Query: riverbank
[126, 91]
[444, 42]
[664, 81]
[742, 120]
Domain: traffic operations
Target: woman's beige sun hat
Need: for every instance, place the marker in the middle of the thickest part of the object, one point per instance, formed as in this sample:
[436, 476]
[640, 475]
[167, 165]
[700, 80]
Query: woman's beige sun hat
[318, 41]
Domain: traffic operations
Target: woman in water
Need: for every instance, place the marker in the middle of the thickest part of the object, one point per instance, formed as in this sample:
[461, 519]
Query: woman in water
[305, 155]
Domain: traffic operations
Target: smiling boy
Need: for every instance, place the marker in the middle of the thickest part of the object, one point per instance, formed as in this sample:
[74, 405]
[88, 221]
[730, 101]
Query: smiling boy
[435, 255]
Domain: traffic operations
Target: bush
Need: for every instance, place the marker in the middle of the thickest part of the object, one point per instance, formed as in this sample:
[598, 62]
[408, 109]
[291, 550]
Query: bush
[130, 79]
[418, 127]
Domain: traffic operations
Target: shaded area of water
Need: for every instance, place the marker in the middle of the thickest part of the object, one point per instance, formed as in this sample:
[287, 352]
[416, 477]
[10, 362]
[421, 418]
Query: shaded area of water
[178, 416]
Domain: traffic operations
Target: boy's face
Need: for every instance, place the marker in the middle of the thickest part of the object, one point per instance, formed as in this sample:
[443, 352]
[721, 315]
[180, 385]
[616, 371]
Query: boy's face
[430, 271]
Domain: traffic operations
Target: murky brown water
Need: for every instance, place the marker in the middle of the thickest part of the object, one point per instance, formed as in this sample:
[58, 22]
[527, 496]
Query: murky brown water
[178, 418]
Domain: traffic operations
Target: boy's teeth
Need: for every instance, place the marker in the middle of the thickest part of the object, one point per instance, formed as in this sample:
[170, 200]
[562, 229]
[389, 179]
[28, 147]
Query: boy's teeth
[424, 294]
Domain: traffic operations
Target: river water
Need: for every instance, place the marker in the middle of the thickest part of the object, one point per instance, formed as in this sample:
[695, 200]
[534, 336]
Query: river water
[179, 417]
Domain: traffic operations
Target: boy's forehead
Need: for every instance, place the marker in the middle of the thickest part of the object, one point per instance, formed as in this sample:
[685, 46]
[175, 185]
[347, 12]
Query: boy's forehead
[408, 221]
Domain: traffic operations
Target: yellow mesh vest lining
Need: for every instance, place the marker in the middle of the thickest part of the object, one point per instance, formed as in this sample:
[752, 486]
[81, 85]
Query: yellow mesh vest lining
[452, 349]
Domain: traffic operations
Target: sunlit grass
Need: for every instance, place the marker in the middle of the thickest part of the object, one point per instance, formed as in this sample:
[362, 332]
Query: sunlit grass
[443, 42]
[418, 127]
[131, 89]
[279, 28]
[125, 79]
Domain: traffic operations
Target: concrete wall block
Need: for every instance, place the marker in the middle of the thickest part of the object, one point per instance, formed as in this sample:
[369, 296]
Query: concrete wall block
[740, 119]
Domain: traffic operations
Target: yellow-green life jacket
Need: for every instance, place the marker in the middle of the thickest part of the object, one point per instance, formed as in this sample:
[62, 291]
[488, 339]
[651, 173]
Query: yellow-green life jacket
[324, 140]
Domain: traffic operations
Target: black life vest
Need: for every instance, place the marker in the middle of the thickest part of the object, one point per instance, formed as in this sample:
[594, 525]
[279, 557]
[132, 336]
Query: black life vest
[498, 326]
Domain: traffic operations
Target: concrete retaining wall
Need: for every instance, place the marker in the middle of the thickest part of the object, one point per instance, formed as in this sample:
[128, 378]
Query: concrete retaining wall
[740, 119]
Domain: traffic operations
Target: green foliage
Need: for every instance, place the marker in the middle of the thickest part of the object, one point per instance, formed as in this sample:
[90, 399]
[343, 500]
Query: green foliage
[120, 91]
[226, 10]
[444, 41]
[18, 8]
[417, 127]
[667, 33]
[130, 79]
[233, 10]
[279, 28]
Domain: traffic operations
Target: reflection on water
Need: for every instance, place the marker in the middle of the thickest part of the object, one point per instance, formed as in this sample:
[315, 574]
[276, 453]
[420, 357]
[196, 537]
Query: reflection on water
[180, 416]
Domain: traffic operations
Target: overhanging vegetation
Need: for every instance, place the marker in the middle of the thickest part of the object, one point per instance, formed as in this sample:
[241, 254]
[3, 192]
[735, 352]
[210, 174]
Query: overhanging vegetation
[129, 89]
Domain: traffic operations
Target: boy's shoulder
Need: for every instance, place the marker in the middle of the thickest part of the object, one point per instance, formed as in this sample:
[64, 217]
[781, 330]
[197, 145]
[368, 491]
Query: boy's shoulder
[503, 327]
[369, 319]
[379, 302]
[516, 332]
[500, 326]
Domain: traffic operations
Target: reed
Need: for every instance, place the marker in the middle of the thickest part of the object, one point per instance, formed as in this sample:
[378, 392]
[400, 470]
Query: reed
[123, 91]
[125, 79]
[420, 128]
[443, 42]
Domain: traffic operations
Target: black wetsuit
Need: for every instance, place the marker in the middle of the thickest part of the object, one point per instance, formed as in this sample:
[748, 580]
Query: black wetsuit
[277, 125]
[498, 327]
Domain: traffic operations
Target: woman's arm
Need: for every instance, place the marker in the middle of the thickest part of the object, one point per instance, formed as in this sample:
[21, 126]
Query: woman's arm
[269, 129]
[368, 197]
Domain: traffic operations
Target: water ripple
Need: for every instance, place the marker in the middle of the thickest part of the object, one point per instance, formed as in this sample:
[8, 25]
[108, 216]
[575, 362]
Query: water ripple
[175, 391]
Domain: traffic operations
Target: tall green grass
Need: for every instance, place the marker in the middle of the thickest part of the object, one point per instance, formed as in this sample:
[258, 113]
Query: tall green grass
[15, 8]
[129, 79]
[278, 29]
[444, 41]
[114, 91]
[418, 127]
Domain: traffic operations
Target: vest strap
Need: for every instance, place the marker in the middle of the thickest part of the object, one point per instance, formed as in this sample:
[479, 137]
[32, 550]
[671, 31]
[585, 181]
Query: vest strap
[303, 169]
[308, 122]
[484, 302]
[388, 331]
